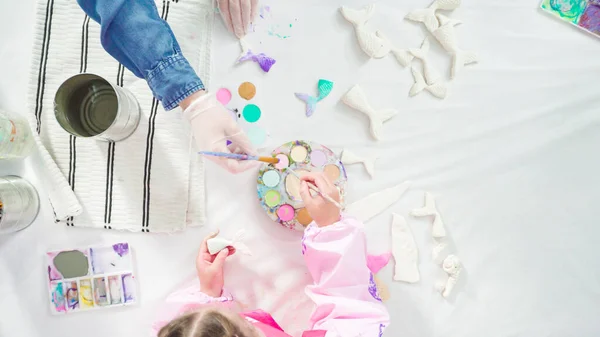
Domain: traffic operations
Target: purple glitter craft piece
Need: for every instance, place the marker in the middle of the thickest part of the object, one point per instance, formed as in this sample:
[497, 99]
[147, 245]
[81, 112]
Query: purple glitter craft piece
[381, 328]
[121, 248]
[373, 288]
[590, 19]
[263, 60]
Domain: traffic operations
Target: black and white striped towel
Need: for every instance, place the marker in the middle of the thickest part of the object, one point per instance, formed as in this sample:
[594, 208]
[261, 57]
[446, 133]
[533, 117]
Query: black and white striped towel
[151, 182]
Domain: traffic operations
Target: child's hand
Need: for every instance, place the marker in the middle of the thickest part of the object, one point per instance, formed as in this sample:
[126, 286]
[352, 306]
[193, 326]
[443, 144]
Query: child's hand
[210, 268]
[323, 212]
[238, 15]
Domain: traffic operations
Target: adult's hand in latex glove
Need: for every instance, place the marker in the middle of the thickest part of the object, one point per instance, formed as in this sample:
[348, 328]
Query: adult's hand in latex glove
[323, 212]
[212, 126]
[238, 14]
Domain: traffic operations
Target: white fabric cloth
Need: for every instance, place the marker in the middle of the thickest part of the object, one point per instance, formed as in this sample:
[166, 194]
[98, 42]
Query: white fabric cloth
[136, 184]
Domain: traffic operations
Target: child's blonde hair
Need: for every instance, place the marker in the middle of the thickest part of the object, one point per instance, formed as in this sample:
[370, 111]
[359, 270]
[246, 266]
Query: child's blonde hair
[209, 323]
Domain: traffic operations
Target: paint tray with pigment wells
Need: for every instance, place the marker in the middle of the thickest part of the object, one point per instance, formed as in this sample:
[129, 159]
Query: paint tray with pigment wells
[584, 14]
[91, 278]
[278, 189]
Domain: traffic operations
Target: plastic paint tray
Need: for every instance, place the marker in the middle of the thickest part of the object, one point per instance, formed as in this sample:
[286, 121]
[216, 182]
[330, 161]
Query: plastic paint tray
[91, 278]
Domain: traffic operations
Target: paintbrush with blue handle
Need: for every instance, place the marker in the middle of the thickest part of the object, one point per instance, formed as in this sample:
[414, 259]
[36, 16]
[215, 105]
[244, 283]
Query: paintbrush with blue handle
[236, 156]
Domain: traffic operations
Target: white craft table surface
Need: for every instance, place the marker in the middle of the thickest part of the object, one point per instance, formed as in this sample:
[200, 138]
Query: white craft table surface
[512, 156]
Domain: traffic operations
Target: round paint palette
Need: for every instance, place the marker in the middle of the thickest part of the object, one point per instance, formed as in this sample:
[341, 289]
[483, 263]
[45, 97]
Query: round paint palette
[279, 190]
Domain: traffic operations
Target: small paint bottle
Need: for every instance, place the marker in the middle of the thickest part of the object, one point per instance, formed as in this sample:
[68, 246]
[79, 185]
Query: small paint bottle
[19, 204]
[15, 137]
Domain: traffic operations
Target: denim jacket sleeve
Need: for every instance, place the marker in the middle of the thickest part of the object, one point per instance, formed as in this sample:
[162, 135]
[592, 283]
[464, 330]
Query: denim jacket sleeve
[134, 34]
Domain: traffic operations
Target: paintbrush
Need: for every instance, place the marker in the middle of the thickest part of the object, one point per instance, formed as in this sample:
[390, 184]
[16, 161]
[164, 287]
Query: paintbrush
[270, 160]
[316, 189]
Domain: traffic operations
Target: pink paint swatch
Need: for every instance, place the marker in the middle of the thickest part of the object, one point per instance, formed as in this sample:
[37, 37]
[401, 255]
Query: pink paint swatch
[285, 213]
[224, 96]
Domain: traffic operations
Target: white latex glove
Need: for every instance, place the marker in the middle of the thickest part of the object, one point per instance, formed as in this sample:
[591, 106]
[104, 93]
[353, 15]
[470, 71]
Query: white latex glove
[238, 15]
[212, 126]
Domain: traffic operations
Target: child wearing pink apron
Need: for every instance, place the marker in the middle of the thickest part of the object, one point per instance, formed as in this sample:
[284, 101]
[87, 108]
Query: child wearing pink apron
[345, 294]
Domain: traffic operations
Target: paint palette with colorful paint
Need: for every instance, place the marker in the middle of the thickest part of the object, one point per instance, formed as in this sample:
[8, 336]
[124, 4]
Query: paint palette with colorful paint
[91, 278]
[279, 190]
[584, 14]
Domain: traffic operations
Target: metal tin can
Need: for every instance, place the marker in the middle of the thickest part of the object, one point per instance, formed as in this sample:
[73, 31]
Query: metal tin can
[19, 204]
[87, 105]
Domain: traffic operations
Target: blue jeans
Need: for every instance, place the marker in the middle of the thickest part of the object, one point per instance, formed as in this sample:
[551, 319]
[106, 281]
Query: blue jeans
[134, 34]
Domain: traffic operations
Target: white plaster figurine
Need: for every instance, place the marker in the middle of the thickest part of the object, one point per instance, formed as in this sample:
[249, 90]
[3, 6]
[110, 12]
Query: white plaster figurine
[356, 99]
[404, 249]
[438, 230]
[452, 267]
[374, 44]
[375, 203]
[446, 36]
[427, 15]
[217, 244]
[438, 89]
[349, 158]
[431, 75]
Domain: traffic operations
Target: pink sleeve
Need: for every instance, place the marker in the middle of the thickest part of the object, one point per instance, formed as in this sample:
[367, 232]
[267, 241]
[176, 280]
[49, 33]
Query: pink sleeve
[186, 299]
[344, 291]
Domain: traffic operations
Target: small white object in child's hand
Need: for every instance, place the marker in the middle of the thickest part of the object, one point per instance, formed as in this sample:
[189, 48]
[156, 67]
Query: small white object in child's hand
[215, 245]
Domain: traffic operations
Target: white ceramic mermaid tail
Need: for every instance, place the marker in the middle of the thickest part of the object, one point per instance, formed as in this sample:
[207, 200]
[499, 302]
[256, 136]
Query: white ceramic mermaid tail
[438, 230]
[438, 89]
[356, 99]
[217, 244]
[349, 158]
[446, 36]
[404, 250]
[432, 76]
[427, 15]
[373, 44]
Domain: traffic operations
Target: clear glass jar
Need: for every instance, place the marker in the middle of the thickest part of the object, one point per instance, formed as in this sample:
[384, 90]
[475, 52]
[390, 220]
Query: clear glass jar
[19, 204]
[15, 137]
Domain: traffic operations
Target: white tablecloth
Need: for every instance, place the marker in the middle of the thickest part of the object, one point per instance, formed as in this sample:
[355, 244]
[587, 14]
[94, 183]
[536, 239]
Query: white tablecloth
[511, 154]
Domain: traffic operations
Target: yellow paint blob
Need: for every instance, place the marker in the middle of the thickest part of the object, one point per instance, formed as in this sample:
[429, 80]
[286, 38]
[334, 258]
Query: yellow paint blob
[298, 153]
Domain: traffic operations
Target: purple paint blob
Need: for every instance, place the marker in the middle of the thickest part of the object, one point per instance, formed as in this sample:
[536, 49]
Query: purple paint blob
[373, 288]
[590, 19]
[128, 288]
[121, 248]
[381, 328]
[229, 143]
[318, 158]
[265, 62]
[304, 248]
